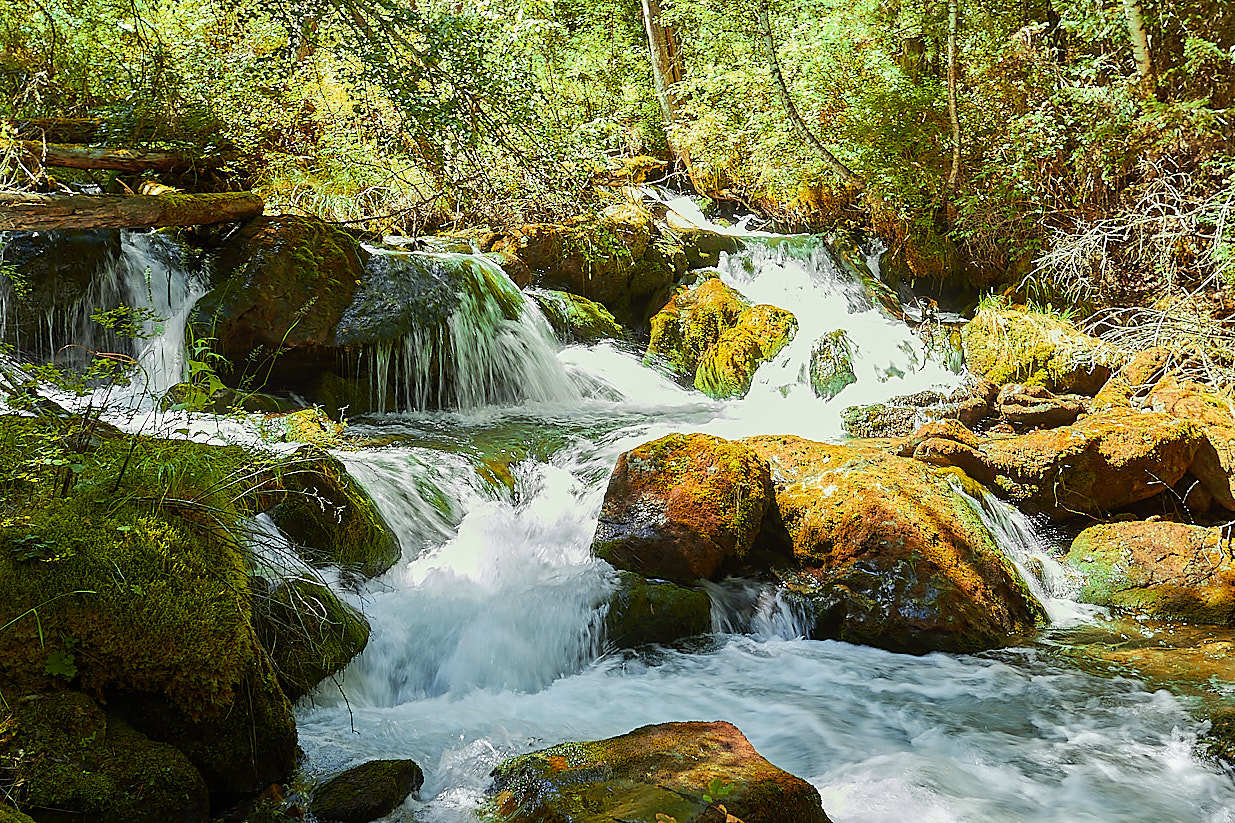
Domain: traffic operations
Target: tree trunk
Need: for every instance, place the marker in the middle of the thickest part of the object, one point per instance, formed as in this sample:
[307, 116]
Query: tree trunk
[1140, 43]
[67, 156]
[953, 117]
[791, 110]
[60, 129]
[666, 64]
[48, 212]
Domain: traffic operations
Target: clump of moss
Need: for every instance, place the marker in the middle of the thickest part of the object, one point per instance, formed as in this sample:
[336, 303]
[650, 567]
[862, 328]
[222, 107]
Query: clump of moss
[576, 319]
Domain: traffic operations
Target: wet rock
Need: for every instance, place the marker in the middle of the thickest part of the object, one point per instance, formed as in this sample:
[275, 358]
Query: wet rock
[709, 336]
[576, 319]
[308, 632]
[898, 417]
[831, 364]
[1008, 345]
[72, 761]
[685, 771]
[304, 426]
[1220, 739]
[1164, 570]
[703, 247]
[680, 508]
[889, 553]
[331, 518]
[643, 612]
[366, 792]
[1033, 407]
[1103, 463]
[1212, 414]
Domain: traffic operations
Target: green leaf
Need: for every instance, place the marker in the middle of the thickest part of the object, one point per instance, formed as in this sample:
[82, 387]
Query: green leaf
[61, 663]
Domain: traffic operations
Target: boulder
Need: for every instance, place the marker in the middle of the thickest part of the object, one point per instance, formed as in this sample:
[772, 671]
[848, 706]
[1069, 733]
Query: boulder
[898, 417]
[331, 518]
[1134, 380]
[703, 247]
[1103, 463]
[643, 612]
[1034, 407]
[683, 507]
[688, 772]
[576, 319]
[1165, 570]
[1220, 739]
[1212, 414]
[831, 364]
[10, 815]
[888, 552]
[709, 336]
[308, 632]
[366, 792]
[1009, 345]
[70, 761]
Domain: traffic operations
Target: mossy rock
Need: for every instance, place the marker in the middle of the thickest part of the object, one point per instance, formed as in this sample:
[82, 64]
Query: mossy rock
[366, 792]
[831, 364]
[671, 769]
[69, 760]
[683, 507]
[332, 519]
[576, 319]
[1220, 739]
[308, 632]
[1007, 345]
[643, 612]
[888, 553]
[702, 247]
[1212, 413]
[1160, 569]
[312, 426]
[10, 815]
[900, 416]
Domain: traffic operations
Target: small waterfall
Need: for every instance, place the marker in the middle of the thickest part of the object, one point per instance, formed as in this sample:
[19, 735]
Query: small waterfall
[765, 610]
[491, 347]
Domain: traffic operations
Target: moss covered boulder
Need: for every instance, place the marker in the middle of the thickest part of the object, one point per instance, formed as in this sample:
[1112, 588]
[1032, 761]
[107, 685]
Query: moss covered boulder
[1103, 463]
[331, 518]
[684, 771]
[10, 815]
[576, 319]
[642, 612]
[900, 416]
[710, 337]
[1214, 415]
[1220, 739]
[308, 632]
[831, 364]
[366, 792]
[66, 759]
[888, 552]
[683, 507]
[1164, 570]
[1035, 407]
[1009, 345]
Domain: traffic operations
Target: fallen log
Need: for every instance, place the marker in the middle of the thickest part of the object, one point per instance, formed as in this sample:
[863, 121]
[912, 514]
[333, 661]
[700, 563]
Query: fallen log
[67, 156]
[60, 129]
[47, 212]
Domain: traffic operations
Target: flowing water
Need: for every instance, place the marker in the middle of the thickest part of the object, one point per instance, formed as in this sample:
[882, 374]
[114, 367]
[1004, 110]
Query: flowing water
[488, 640]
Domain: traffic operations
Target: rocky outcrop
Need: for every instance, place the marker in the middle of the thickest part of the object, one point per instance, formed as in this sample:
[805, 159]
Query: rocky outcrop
[1033, 407]
[671, 770]
[576, 319]
[1009, 345]
[710, 337]
[831, 364]
[642, 612]
[888, 553]
[366, 792]
[1160, 569]
[898, 417]
[1103, 463]
[683, 507]
[1212, 414]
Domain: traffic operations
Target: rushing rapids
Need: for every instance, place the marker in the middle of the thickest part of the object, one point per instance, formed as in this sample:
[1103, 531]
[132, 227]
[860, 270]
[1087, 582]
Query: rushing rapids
[489, 641]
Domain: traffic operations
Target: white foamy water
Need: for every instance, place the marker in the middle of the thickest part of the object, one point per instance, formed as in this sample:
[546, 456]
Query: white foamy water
[488, 637]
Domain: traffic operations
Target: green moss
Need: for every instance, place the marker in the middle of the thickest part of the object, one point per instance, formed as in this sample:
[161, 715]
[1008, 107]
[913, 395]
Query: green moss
[831, 364]
[577, 319]
[1220, 740]
[367, 792]
[63, 755]
[10, 815]
[642, 612]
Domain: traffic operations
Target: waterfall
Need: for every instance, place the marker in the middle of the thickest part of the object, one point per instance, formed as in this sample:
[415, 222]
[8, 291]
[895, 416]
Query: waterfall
[493, 347]
[765, 610]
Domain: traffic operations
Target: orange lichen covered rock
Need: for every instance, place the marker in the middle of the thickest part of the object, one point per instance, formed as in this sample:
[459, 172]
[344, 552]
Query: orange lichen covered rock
[1215, 460]
[890, 553]
[688, 772]
[680, 507]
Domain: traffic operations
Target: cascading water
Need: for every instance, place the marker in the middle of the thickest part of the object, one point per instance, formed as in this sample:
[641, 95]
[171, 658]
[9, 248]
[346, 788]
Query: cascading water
[488, 637]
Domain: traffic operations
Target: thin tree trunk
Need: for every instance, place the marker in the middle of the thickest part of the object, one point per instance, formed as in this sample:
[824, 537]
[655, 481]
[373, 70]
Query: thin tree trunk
[791, 110]
[953, 117]
[1140, 42]
[48, 212]
[64, 155]
[666, 64]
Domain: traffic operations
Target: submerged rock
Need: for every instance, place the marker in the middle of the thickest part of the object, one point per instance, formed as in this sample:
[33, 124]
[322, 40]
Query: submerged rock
[366, 792]
[308, 632]
[831, 364]
[684, 771]
[643, 612]
[1008, 345]
[69, 760]
[680, 508]
[889, 553]
[576, 319]
[1164, 570]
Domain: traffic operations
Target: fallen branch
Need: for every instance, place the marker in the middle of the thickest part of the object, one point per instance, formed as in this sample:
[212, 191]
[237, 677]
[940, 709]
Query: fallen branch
[69, 156]
[46, 212]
